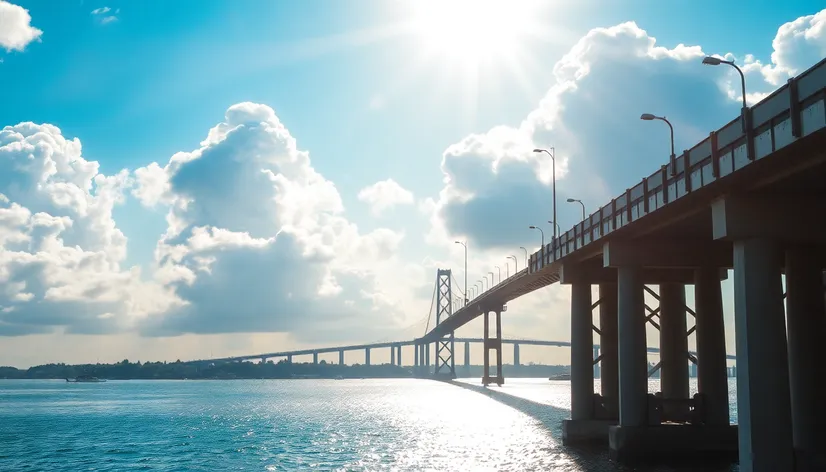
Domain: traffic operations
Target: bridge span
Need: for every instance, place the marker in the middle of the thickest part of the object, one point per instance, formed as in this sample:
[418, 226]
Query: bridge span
[395, 351]
[750, 198]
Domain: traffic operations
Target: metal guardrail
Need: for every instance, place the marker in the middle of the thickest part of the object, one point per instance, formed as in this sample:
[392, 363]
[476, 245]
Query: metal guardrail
[791, 112]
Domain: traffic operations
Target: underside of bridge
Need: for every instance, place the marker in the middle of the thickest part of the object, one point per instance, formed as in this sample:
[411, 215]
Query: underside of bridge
[751, 198]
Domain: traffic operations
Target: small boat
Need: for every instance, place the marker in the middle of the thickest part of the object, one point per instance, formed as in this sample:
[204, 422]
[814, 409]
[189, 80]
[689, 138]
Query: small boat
[563, 376]
[85, 379]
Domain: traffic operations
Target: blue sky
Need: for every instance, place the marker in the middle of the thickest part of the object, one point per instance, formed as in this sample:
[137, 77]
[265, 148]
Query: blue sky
[360, 88]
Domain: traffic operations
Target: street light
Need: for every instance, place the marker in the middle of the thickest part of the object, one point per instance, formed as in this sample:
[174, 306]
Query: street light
[491, 278]
[716, 61]
[526, 255]
[465, 245]
[576, 200]
[515, 265]
[551, 153]
[500, 273]
[483, 284]
[556, 227]
[541, 232]
[650, 117]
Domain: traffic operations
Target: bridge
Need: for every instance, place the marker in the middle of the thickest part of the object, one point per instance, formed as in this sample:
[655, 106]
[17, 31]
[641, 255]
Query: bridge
[750, 198]
[396, 351]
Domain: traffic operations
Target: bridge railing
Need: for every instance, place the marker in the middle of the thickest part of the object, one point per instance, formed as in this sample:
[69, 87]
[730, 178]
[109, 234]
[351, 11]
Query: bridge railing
[789, 113]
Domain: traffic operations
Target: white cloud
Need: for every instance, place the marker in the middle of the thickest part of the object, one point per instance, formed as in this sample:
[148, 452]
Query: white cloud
[257, 240]
[101, 14]
[60, 250]
[16, 31]
[385, 194]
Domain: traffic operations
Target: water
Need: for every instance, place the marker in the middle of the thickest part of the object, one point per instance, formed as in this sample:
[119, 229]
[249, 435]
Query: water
[269, 425]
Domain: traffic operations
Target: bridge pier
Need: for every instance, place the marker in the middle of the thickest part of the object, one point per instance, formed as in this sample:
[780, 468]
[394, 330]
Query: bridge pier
[399, 355]
[492, 344]
[711, 372]
[315, 358]
[290, 358]
[392, 355]
[673, 349]
[609, 366]
[806, 324]
[467, 356]
[367, 356]
[516, 354]
[341, 357]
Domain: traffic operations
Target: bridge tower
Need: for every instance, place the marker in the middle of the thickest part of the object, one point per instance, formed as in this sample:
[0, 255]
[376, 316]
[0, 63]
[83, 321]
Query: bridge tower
[445, 364]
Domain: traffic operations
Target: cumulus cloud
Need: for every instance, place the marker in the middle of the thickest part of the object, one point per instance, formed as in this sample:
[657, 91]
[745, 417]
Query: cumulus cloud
[257, 240]
[495, 186]
[383, 195]
[16, 31]
[60, 249]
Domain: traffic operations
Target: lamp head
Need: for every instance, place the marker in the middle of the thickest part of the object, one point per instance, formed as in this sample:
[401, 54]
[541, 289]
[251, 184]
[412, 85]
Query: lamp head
[532, 227]
[538, 150]
[712, 61]
[572, 200]
[647, 117]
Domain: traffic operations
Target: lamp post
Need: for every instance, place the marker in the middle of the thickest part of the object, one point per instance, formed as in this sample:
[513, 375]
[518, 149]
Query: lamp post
[515, 265]
[465, 246]
[491, 279]
[526, 255]
[500, 273]
[541, 232]
[716, 61]
[650, 117]
[556, 227]
[576, 200]
[551, 153]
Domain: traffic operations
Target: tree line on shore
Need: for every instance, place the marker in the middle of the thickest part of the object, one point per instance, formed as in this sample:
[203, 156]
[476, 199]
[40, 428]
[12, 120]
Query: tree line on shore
[126, 370]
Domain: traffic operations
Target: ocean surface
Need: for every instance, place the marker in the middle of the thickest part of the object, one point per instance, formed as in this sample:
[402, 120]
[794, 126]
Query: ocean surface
[271, 425]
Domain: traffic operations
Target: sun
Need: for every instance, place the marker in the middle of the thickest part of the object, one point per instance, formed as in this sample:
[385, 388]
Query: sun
[472, 32]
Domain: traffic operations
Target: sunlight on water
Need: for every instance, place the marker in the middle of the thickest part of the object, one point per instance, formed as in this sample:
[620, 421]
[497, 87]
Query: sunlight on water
[286, 425]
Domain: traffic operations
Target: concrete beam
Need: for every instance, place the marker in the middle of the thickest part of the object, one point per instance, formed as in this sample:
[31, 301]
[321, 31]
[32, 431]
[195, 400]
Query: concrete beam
[667, 254]
[572, 273]
[787, 219]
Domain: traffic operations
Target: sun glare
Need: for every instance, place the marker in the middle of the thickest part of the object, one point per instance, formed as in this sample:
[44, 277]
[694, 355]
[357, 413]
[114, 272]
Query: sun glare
[471, 32]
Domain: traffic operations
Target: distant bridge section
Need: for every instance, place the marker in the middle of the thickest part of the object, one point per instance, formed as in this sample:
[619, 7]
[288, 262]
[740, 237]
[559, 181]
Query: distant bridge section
[395, 347]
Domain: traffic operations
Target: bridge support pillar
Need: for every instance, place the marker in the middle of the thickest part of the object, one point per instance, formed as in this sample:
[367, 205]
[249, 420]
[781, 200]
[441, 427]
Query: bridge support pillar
[392, 355]
[633, 374]
[763, 398]
[341, 357]
[290, 358]
[673, 348]
[315, 358]
[582, 364]
[494, 344]
[516, 354]
[712, 376]
[806, 324]
[399, 355]
[367, 356]
[609, 368]
[467, 355]
[427, 357]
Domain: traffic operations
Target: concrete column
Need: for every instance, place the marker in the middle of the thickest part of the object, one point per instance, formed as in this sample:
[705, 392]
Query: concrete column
[485, 337]
[499, 373]
[367, 356]
[315, 358]
[673, 342]
[582, 343]
[392, 355]
[399, 356]
[290, 358]
[467, 355]
[763, 398]
[711, 371]
[609, 369]
[427, 356]
[806, 324]
[633, 372]
[340, 357]
[416, 355]
[515, 354]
